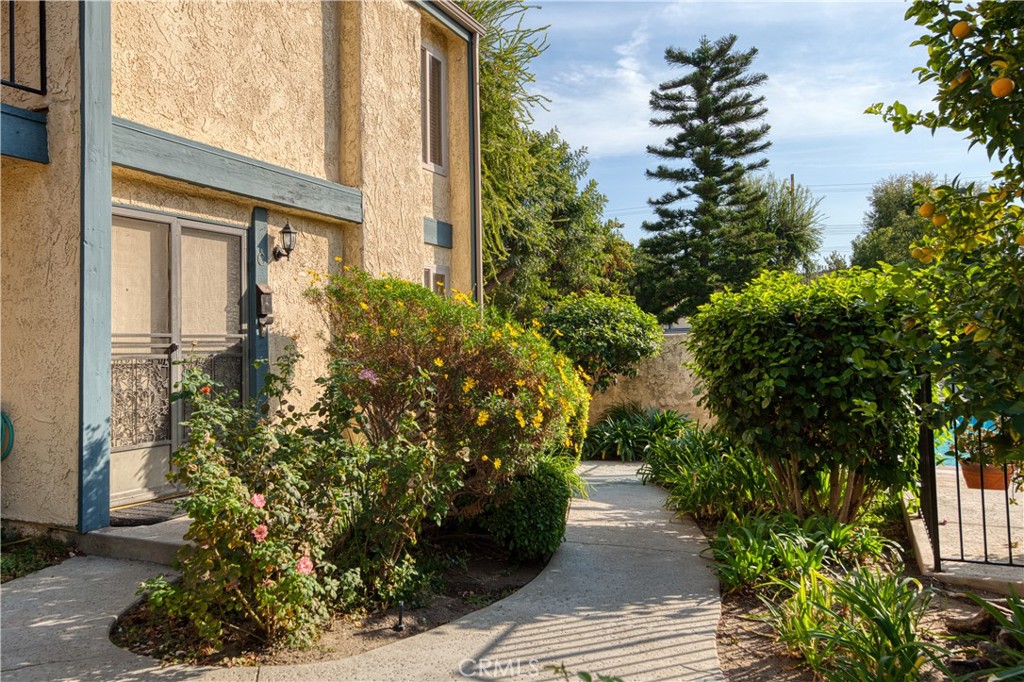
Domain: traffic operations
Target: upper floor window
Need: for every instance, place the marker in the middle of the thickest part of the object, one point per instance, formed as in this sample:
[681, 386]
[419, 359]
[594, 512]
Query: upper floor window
[433, 96]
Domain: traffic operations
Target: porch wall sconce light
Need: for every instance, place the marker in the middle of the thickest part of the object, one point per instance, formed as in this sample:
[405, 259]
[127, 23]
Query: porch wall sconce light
[288, 236]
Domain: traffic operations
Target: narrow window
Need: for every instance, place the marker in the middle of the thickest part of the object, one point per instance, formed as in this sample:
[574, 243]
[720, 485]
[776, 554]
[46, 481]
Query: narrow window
[432, 98]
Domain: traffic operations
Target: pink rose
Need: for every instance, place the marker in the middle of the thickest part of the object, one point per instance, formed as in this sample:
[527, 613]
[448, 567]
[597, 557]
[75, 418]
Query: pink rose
[304, 565]
[260, 532]
[258, 501]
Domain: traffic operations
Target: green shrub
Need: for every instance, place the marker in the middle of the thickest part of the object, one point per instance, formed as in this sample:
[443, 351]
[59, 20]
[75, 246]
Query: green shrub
[266, 499]
[629, 432]
[606, 336]
[708, 475]
[490, 395]
[530, 522]
[806, 376]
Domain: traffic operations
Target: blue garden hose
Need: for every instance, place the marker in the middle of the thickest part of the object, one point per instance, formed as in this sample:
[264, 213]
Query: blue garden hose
[6, 435]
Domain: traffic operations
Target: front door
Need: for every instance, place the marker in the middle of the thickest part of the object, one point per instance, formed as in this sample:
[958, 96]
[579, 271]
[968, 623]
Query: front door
[177, 296]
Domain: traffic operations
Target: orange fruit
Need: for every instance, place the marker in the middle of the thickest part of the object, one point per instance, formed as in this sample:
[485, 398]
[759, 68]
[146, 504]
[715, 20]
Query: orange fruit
[1001, 87]
[961, 29]
[916, 253]
[927, 210]
[1020, 239]
[939, 219]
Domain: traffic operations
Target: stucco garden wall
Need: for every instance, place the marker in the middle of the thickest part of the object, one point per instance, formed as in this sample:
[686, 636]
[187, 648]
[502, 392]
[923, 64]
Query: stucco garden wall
[255, 78]
[662, 382]
[39, 296]
[319, 244]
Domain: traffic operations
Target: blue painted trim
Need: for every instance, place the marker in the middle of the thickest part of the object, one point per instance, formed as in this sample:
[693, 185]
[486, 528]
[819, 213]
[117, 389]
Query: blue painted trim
[154, 151]
[437, 232]
[259, 273]
[442, 16]
[23, 134]
[94, 403]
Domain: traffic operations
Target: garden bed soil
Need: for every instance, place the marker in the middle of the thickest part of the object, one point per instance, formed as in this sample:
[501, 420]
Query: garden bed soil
[483, 578]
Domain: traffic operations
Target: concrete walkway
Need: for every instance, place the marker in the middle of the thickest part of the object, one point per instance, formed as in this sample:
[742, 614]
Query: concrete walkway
[628, 594]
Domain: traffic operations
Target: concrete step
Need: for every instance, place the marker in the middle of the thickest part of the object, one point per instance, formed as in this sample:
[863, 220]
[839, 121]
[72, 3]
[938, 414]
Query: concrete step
[156, 544]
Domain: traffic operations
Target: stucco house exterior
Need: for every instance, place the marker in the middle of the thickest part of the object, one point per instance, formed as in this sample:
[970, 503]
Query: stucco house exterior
[152, 155]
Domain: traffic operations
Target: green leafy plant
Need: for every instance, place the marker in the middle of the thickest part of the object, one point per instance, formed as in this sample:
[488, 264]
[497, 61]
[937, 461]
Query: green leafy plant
[21, 556]
[1011, 665]
[629, 432]
[605, 336]
[807, 377]
[266, 498]
[708, 475]
[875, 634]
[805, 611]
[530, 521]
[488, 395]
[969, 330]
[759, 548]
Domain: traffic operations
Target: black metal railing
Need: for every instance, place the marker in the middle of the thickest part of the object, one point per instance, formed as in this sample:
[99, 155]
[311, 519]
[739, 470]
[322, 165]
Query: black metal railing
[18, 26]
[968, 522]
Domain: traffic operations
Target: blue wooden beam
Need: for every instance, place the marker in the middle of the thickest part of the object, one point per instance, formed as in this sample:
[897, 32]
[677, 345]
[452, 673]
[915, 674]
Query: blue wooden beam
[23, 134]
[94, 400]
[259, 260]
[154, 151]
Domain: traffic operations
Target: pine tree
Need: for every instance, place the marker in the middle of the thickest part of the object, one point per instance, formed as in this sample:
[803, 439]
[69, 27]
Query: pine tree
[705, 236]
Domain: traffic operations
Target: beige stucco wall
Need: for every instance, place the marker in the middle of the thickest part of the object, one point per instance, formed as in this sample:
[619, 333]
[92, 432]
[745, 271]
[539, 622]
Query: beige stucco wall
[663, 382]
[255, 78]
[319, 244]
[39, 296]
[381, 141]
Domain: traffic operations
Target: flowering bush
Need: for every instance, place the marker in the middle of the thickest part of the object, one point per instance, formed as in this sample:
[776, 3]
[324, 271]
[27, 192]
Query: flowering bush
[486, 394]
[266, 499]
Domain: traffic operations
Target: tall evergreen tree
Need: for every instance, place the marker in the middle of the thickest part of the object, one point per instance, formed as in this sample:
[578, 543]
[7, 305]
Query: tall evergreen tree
[706, 235]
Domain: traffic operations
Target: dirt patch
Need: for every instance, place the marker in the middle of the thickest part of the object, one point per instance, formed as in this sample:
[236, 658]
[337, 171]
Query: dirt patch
[484, 576]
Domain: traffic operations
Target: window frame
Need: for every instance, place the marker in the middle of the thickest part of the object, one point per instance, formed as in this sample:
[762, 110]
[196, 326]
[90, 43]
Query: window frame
[428, 52]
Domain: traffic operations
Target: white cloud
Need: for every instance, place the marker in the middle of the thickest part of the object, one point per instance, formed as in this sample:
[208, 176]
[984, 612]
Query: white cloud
[602, 104]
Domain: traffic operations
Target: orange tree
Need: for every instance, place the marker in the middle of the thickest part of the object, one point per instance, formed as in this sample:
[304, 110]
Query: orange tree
[970, 326]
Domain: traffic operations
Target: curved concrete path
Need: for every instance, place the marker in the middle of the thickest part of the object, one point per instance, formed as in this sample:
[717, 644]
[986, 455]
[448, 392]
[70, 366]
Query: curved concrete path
[628, 594]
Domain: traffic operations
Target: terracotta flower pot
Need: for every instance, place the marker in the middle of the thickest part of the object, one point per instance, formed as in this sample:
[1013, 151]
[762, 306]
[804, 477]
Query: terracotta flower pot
[995, 479]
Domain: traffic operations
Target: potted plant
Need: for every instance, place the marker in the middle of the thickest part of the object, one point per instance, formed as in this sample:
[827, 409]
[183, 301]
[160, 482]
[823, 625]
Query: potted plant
[979, 459]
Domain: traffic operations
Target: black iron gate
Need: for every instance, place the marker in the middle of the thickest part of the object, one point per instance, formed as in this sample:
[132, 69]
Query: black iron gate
[983, 525]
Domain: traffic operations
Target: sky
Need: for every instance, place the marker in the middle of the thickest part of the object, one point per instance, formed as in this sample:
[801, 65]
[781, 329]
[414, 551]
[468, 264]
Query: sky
[826, 63]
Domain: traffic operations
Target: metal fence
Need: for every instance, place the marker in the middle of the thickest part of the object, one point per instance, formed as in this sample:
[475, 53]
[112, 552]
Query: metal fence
[24, 33]
[966, 522]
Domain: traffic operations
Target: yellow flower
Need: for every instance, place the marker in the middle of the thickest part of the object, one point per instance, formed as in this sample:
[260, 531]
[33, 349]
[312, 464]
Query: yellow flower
[520, 383]
[484, 458]
[520, 419]
[439, 338]
[496, 335]
[511, 330]
[514, 344]
[482, 417]
[537, 335]
[536, 323]
[362, 304]
[538, 419]
[439, 362]
[499, 391]
[393, 332]
[337, 259]
[468, 384]
[497, 463]
[558, 333]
